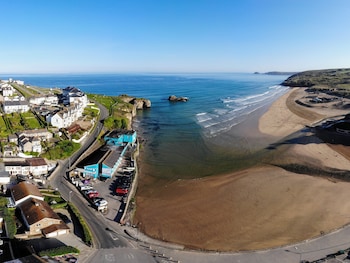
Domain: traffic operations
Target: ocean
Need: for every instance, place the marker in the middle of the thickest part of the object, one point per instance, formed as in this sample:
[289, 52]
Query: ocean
[182, 139]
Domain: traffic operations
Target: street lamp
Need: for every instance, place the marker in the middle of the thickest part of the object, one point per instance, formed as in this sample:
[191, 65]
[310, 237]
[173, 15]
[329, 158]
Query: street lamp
[296, 252]
[70, 196]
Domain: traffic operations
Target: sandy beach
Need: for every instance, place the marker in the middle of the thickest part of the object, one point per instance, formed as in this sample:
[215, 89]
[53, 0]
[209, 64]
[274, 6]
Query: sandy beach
[266, 205]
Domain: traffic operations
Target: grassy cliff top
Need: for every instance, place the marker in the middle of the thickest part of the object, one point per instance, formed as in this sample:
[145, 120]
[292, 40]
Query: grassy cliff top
[336, 79]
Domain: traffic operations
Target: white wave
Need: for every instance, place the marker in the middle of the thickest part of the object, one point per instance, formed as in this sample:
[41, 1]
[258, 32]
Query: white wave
[235, 111]
[203, 118]
[227, 100]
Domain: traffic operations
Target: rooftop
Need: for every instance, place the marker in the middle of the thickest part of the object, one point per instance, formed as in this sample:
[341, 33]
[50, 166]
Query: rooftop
[24, 189]
[119, 132]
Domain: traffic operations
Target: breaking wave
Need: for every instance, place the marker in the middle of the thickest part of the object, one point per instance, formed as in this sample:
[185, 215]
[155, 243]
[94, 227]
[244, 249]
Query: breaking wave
[234, 110]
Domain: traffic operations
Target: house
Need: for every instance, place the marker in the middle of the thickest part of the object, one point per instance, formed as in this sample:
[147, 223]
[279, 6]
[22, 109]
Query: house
[11, 106]
[48, 99]
[73, 95]
[43, 134]
[10, 150]
[7, 90]
[24, 191]
[26, 166]
[28, 140]
[37, 215]
[38, 166]
[65, 117]
[31, 144]
[40, 219]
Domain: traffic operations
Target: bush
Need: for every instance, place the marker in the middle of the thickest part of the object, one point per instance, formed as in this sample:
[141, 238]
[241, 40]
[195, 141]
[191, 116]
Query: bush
[87, 238]
[62, 150]
[9, 217]
[59, 251]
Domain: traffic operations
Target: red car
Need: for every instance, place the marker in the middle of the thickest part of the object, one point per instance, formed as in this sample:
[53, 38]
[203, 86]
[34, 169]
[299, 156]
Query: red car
[121, 191]
[93, 194]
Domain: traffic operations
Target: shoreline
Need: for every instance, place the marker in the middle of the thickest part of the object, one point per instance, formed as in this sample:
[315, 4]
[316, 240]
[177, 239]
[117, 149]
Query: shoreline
[259, 207]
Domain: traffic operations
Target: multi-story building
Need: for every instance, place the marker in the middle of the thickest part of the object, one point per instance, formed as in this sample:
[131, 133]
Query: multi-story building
[11, 106]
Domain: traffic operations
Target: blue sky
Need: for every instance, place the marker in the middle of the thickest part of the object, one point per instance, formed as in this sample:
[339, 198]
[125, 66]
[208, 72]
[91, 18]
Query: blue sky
[61, 36]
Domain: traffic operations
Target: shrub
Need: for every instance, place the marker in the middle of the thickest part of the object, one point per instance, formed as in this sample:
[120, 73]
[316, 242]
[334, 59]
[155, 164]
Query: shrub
[87, 238]
[59, 251]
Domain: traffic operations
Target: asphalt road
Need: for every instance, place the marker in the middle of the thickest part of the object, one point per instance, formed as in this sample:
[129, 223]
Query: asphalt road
[102, 238]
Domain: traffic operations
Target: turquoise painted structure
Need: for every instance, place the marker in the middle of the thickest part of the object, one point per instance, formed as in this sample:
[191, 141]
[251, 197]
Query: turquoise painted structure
[120, 137]
[91, 170]
[105, 163]
[111, 163]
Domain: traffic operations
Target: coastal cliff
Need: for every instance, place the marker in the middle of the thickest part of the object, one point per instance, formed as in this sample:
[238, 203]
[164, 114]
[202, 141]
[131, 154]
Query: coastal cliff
[137, 104]
[327, 78]
[122, 109]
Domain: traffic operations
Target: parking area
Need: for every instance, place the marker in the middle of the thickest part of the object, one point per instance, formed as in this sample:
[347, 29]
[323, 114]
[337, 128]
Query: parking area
[115, 191]
[108, 195]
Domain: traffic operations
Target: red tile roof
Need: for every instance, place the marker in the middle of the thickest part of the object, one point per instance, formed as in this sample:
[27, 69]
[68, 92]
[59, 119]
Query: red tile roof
[37, 210]
[24, 189]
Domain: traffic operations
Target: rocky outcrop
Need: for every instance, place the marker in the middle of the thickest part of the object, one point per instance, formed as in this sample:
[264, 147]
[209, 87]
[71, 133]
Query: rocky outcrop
[128, 107]
[174, 98]
[141, 103]
[329, 78]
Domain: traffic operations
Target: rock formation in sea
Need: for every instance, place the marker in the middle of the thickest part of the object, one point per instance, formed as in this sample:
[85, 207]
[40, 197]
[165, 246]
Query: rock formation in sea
[174, 98]
[132, 105]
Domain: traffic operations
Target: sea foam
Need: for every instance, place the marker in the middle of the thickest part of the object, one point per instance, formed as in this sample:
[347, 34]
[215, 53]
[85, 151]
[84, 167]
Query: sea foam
[234, 110]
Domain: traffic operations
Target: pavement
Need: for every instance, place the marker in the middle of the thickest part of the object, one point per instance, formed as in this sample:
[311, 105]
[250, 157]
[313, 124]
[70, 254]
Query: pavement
[309, 250]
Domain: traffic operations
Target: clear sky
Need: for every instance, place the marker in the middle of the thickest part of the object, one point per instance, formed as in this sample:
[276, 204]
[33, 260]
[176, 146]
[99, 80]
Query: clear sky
[74, 36]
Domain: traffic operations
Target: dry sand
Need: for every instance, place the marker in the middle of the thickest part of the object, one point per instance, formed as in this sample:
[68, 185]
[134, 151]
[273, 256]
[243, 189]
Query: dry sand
[260, 207]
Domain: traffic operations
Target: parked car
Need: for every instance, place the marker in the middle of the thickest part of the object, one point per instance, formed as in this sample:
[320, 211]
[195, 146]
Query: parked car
[92, 194]
[121, 191]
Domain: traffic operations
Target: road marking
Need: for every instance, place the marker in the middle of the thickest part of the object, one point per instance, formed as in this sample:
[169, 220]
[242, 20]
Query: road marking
[114, 237]
[131, 256]
[110, 257]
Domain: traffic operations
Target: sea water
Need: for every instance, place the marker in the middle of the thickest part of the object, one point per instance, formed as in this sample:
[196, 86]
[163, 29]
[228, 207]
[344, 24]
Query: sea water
[176, 134]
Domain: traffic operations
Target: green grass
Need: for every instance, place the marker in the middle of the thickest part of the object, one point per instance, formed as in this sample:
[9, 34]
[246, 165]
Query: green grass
[9, 217]
[29, 121]
[329, 78]
[59, 251]
[117, 110]
[107, 101]
[4, 130]
[22, 90]
[61, 150]
[15, 121]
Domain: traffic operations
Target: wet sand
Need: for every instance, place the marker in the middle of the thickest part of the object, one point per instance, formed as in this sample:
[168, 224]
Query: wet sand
[263, 206]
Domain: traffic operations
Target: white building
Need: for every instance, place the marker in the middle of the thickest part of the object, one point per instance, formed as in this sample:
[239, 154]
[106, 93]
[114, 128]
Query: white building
[7, 90]
[72, 95]
[30, 144]
[66, 117]
[26, 166]
[48, 100]
[43, 134]
[10, 106]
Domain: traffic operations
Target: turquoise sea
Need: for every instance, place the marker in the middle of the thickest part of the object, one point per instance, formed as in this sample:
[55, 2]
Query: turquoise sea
[179, 138]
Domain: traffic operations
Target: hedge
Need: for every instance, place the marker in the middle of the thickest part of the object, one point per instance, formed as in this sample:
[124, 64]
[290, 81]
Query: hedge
[59, 251]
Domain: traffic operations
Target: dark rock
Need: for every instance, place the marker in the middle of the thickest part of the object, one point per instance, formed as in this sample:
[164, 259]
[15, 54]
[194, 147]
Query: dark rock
[174, 98]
